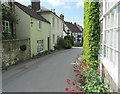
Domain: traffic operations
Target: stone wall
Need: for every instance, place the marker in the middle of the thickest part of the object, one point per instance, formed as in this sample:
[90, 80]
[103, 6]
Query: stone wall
[108, 79]
[12, 54]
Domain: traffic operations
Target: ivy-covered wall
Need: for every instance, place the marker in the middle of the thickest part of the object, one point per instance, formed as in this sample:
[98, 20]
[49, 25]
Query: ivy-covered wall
[91, 31]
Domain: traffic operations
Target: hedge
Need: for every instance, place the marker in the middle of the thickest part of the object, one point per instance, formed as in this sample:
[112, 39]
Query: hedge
[91, 31]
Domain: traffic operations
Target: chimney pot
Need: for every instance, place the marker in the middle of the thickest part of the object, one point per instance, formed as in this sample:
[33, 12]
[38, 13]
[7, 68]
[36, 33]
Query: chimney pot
[62, 16]
[35, 5]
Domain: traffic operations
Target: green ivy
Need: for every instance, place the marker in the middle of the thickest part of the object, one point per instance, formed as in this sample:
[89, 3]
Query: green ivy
[91, 31]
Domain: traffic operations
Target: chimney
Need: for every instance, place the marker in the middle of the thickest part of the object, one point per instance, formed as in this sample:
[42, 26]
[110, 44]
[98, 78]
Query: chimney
[62, 16]
[35, 5]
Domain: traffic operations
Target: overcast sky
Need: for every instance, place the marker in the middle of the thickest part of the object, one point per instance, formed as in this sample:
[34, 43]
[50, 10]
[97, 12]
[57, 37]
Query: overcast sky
[72, 10]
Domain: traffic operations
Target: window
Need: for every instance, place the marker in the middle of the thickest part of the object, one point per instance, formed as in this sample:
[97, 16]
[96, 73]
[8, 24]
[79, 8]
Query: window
[39, 24]
[5, 26]
[40, 47]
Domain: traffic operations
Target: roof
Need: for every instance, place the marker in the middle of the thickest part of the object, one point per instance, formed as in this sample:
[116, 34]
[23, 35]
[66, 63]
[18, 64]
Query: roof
[31, 12]
[42, 8]
[45, 10]
[74, 27]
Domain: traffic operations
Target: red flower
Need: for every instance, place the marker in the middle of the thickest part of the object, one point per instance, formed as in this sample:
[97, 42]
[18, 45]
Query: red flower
[68, 80]
[75, 70]
[66, 89]
[78, 75]
[72, 90]
[86, 70]
[79, 68]
[75, 80]
[73, 83]
[68, 83]
[84, 64]
[77, 86]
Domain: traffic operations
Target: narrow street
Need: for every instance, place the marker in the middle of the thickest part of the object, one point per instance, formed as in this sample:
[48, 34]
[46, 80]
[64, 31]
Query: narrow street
[46, 74]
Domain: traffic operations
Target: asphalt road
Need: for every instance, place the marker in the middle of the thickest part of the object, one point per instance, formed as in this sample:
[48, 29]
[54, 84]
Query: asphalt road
[46, 74]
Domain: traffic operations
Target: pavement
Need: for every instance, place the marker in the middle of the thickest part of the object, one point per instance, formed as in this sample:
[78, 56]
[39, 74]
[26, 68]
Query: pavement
[45, 74]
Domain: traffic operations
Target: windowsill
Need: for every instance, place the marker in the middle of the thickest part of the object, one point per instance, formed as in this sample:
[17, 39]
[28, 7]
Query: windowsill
[110, 68]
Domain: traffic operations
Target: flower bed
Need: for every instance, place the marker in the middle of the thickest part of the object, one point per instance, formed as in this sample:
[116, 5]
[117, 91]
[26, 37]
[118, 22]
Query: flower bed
[88, 78]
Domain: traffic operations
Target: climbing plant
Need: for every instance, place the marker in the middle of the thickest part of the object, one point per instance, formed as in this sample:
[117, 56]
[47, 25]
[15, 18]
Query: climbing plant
[91, 31]
[8, 15]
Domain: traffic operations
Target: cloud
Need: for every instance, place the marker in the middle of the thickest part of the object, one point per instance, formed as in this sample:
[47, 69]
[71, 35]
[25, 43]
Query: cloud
[80, 3]
[76, 18]
[67, 7]
[55, 2]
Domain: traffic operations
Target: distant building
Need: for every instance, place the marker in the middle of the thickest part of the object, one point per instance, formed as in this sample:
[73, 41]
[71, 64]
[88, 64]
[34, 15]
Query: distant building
[75, 30]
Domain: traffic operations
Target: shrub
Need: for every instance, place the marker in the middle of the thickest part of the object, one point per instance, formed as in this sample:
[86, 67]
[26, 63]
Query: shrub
[23, 47]
[70, 38]
[68, 44]
[88, 78]
[60, 43]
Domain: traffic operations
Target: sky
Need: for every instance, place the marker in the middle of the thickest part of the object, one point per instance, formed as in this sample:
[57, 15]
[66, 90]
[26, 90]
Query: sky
[73, 11]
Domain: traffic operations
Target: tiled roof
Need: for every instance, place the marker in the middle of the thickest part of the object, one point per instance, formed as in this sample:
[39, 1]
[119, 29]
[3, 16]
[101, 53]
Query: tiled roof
[30, 12]
[74, 27]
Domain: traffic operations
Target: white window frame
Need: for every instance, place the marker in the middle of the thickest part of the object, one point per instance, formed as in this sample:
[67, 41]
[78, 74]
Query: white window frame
[40, 47]
[39, 25]
[6, 26]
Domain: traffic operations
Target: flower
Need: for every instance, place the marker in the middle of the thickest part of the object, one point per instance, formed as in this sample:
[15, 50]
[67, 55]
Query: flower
[75, 80]
[72, 90]
[73, 83]
[75, 70]
[84, 64]
[68, 83]
[68, 80]
[77, 86]
[79, 68]
[86, 70]
[78, 75]
[66, 89]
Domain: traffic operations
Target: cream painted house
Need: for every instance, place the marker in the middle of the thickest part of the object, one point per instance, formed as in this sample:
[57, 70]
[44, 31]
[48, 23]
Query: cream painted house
[33, 26]
[57, 22]
[110, 43]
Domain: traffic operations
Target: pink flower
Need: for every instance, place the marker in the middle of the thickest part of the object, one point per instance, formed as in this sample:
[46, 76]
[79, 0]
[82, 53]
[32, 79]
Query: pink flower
[68, 80]
[75, 80]
[77, 86]
[73, 83]
[78, 75]
[68, 83]
[72, 90]
[66, 89]
[86, 70]
[84, 64]
[79, 68]
[75, 70]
